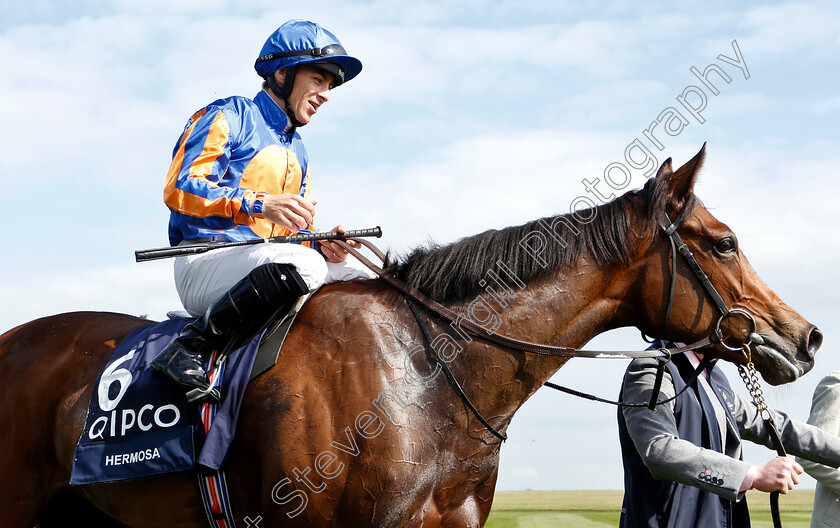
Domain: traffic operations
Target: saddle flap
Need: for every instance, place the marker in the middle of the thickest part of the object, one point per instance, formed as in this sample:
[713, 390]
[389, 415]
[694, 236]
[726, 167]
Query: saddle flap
[273, 340]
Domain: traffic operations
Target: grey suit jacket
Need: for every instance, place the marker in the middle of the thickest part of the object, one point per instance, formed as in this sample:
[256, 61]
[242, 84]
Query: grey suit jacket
[655, 436]
[825, 414]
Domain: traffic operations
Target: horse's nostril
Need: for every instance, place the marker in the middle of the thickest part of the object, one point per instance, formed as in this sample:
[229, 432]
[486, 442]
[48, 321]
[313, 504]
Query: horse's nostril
[815, 339]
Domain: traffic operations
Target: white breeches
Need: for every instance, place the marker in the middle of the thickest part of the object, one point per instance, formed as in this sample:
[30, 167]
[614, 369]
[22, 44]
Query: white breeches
[202, 279]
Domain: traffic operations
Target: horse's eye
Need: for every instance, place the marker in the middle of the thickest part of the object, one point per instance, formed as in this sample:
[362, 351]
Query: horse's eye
[725, 245]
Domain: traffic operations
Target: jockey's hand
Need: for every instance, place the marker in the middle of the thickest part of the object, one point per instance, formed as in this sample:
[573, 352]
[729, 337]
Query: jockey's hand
[332, 252]
[289, 211]
[780, 474]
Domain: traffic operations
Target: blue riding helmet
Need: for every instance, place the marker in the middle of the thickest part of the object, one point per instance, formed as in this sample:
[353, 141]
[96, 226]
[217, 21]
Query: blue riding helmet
[301, 42]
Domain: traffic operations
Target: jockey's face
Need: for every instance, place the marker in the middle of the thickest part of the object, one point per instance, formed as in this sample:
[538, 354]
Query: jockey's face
[311, 90]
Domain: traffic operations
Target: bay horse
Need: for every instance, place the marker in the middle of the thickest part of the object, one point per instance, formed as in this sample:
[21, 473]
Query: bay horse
[354, 425]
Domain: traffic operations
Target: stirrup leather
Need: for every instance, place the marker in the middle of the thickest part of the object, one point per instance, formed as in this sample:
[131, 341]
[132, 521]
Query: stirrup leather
[212, 393]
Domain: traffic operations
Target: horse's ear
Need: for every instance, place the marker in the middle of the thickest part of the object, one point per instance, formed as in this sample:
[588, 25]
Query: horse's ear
[665, 170]
[681, 182]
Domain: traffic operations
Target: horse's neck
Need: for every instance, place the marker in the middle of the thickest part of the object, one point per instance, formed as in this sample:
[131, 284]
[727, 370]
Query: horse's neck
[567, 309]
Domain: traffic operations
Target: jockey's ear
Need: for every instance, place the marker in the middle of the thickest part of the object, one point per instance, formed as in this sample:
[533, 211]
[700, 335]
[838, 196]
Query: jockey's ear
[681, 182]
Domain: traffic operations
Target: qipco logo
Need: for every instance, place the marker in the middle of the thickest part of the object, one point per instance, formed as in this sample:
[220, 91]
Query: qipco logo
[118, 423]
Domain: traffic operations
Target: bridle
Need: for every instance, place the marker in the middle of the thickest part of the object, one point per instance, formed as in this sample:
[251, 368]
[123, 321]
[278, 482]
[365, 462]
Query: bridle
[412, 295]
[748, 374]
[677, 245]
[669, 228]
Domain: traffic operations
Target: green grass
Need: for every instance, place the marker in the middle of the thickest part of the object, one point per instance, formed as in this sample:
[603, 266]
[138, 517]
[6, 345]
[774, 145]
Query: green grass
[597, 509]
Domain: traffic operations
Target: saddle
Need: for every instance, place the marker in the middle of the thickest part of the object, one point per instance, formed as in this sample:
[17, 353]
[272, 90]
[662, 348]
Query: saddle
[272, 340]
[140, 424]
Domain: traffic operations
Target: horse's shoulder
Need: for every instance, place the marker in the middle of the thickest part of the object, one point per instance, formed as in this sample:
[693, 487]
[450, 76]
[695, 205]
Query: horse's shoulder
[352, 322]
[360, 299]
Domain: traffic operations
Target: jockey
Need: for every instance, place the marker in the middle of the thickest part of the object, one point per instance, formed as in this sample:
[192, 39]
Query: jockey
[240, 171]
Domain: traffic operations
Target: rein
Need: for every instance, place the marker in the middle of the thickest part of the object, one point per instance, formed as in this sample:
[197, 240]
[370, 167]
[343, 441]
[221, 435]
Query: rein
[413, 294]
[499, 339]
[663, 355]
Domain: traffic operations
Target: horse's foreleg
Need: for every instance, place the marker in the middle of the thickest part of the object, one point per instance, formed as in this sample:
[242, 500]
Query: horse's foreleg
[465, 515]
[468, 514]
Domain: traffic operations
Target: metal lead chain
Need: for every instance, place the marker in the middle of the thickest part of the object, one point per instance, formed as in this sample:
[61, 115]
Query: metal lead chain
[750, 377]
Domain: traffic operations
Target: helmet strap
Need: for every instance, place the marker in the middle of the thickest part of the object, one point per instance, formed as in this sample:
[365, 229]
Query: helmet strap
[285, 92]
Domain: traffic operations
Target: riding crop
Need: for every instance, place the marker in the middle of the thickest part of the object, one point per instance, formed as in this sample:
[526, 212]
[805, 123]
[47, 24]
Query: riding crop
[194, 249]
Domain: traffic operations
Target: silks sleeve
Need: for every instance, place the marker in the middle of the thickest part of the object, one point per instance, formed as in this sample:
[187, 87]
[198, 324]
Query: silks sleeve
[196, 185]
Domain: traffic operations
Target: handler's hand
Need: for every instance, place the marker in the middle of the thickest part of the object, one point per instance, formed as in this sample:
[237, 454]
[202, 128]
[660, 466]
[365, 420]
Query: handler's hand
[780, 474]
[332, 252]
[289, 211]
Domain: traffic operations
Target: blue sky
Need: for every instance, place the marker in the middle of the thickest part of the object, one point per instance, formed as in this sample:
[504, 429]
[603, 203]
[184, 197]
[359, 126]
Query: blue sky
[468, 115]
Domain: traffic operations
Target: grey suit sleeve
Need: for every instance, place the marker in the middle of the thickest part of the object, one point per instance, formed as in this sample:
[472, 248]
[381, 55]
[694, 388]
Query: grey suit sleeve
[800, 439]
[825, 414]
[655, 435]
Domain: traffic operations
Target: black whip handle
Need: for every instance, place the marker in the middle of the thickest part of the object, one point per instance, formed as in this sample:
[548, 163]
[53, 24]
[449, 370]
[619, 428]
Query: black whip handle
[192, 249]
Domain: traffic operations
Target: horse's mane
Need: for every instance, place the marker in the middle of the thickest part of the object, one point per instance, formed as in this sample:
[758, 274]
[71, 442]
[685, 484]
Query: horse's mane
[456, 272]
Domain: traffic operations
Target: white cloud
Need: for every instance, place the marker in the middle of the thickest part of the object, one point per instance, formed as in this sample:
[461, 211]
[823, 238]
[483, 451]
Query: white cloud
[827, 106]
[132, 289]
[805, 32]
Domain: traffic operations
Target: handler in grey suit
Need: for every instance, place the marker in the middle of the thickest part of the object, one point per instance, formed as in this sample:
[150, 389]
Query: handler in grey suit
[825, 414]
[682, 461]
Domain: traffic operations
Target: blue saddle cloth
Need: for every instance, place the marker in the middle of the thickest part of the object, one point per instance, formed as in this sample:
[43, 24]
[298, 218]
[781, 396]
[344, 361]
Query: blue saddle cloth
[140, 424]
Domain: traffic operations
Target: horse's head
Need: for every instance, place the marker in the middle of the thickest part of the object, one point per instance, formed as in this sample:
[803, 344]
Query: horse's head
[789, 341]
